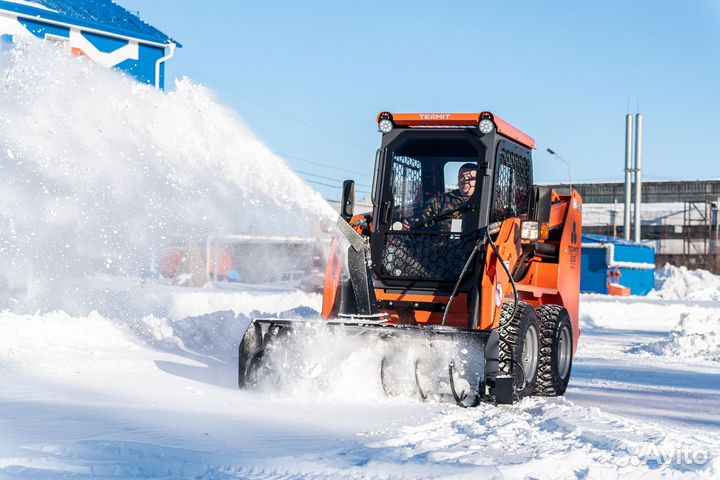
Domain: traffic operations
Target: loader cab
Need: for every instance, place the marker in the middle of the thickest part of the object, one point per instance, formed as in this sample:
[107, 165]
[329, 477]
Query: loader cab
[425, 225]
[422, 170]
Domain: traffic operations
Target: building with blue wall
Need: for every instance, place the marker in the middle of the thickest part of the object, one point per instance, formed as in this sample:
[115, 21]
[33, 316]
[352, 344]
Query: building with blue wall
[100, 30]
[607, 260]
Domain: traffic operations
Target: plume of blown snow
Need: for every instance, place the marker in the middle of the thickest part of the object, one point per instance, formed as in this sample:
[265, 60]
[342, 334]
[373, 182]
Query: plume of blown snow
[98, 171]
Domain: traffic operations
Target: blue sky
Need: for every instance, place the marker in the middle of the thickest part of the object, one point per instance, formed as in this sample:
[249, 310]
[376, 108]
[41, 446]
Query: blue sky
[310, 77]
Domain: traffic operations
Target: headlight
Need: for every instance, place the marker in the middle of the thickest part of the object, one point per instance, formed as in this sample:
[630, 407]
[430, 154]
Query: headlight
[530, 231]
[486, 126]
[385, 125]
[534, 231]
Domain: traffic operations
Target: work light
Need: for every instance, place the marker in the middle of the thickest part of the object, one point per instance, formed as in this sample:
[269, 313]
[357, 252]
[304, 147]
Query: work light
[486, 126]
[534, 231]
[385, 125]
[530, 231]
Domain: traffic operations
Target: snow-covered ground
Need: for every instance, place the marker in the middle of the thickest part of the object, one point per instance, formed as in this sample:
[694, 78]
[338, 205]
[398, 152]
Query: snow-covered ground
[155, 396]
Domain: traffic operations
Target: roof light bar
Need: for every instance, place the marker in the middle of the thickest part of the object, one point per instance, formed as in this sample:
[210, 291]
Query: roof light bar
[486, 122]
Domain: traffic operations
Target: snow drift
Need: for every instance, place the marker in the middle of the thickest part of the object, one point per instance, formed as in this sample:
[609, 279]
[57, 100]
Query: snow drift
[679, 283]
[99, 171]
[696, 337]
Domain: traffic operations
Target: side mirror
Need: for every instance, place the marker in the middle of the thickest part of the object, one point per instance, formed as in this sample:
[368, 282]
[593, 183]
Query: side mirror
[347, 207]
[541, 204]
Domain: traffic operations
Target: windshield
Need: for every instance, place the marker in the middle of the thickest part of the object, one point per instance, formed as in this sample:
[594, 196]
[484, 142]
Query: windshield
[433, 184]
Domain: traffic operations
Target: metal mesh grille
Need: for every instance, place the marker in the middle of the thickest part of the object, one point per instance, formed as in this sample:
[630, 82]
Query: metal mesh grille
[512, 187]
[430, 256]
[407, 184]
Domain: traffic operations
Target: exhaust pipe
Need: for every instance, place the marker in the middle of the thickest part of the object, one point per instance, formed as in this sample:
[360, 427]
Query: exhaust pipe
[628, 174]
[638, 173]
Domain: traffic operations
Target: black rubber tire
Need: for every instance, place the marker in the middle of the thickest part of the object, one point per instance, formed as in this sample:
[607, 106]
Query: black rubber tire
[553, 319]
[513, 327]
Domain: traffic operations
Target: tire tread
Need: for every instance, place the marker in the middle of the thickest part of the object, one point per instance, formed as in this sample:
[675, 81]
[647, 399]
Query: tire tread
[547, 384]
[510, 325]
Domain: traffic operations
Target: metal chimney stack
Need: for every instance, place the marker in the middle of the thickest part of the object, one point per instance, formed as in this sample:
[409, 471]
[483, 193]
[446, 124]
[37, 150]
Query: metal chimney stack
[638, 172]
[628, 173]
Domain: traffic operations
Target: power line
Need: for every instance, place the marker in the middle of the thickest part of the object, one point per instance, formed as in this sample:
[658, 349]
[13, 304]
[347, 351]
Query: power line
[337, 200]
[279, 112]
[323, 164]
[314, 182]
[305, 124]
[275, 110]
[329, 178]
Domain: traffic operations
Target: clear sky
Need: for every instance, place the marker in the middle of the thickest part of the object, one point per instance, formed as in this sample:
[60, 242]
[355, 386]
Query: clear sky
[310, 77]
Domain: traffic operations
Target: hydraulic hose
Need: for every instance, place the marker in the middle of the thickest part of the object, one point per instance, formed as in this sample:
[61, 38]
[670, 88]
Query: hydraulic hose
[515, 302]
[467, 265]
[460, 278]
[458, 399]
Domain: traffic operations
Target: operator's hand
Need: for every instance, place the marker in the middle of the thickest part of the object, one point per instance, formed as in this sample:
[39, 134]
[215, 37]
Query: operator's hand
[361, 223]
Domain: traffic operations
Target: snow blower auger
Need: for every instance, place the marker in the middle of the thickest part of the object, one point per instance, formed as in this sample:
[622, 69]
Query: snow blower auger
[465, 275]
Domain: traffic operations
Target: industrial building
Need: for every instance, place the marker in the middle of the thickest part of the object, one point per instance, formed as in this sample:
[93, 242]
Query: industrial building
[678, 218]
[100, 30]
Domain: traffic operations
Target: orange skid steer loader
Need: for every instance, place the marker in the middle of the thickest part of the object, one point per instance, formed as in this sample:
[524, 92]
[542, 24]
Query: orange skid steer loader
[463, 262]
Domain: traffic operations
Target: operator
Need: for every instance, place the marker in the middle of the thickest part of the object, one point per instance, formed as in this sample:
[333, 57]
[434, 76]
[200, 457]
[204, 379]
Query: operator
[443, 203]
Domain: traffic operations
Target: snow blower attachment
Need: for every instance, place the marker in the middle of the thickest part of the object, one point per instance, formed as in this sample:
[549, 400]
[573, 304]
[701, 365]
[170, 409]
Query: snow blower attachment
[464, 278]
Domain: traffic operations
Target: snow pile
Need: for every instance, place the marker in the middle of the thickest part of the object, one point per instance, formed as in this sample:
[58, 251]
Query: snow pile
[215, 334]
[100, 172]
[679, 283]
[696, 337]
[193, 302]
[695, 332]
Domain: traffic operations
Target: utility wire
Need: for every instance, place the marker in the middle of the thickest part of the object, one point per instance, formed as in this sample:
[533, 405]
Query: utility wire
[315, 182]
[303, 123]
[322, 164]
[329, 178]
[226, 87]
[332, 186]
[273, 109]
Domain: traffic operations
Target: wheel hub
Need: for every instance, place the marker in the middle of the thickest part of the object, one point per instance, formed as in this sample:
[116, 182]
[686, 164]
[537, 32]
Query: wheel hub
[563, 352]
[530, 353]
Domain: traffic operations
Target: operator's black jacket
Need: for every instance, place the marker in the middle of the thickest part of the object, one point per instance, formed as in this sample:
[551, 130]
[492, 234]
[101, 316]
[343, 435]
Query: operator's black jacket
[436, 206]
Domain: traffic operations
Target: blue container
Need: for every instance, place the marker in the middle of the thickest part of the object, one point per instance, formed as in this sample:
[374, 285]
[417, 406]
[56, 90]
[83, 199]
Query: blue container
[603, 258]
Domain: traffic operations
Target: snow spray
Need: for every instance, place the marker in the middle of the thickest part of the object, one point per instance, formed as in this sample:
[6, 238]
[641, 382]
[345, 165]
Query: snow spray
[98, 171]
